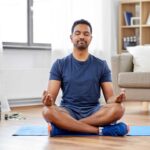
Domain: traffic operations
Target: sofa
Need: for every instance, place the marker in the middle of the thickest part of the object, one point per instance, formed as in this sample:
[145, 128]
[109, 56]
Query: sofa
[135, 83]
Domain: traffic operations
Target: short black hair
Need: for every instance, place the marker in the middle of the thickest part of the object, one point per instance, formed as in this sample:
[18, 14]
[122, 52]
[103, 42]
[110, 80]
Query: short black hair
[81, 21]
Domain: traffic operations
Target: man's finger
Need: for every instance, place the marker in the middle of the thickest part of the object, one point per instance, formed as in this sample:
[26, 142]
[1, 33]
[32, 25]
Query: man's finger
[123, 90]
[44, 92]
[48, 100]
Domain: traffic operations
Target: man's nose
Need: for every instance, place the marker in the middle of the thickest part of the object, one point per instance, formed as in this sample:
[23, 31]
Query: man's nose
[81, 36]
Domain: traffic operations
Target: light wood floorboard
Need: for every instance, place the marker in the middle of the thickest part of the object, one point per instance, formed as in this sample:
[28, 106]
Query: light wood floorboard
[134, 116]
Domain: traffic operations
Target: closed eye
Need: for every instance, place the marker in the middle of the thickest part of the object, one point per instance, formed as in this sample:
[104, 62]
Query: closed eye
[77, 33]
[86, 33]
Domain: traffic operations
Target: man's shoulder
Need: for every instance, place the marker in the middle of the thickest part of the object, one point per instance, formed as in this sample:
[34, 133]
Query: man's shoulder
[61, 62]
[64, 59]
[98, 60]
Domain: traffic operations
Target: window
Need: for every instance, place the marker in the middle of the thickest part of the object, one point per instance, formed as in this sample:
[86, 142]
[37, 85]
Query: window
[13, 20]
[52, 21]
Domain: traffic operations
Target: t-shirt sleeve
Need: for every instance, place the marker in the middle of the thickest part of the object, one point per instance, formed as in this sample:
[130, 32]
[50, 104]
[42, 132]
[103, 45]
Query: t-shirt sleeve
[106, 74]
[55, 72]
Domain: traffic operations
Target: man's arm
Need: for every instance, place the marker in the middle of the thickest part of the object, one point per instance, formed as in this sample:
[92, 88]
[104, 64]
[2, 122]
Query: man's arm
[50, 95]
[107, 89]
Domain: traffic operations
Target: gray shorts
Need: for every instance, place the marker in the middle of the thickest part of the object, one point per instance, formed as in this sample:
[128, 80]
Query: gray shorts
[81, 113]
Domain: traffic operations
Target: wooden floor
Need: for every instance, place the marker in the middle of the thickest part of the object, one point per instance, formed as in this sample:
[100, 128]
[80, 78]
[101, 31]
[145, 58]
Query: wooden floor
[134, 116]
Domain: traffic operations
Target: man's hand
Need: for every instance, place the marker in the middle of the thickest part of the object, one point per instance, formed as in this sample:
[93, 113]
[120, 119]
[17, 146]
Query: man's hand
[118, 99]
[121, 97]
[47, 99]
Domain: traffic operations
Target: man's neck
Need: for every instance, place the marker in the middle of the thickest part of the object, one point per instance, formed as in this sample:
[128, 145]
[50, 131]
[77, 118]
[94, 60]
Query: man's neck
[80, 55]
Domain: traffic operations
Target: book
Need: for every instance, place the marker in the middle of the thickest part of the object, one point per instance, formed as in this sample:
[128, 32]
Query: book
[148, 20]
[127, 17]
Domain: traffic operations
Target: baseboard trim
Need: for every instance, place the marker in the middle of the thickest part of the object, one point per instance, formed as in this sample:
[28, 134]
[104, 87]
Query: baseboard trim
[24, 102]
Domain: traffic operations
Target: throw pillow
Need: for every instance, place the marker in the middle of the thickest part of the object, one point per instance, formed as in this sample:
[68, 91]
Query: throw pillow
[141, 58]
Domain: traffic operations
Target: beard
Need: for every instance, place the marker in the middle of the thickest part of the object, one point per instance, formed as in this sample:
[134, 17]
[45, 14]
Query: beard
[81, 45]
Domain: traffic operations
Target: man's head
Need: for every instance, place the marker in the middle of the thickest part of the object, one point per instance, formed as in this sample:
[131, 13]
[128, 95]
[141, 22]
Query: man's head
[81, 21]
[81, 34]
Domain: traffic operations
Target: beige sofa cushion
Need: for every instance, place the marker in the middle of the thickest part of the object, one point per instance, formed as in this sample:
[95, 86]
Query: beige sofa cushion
[137, 94]
[141, 58]
[134, 79]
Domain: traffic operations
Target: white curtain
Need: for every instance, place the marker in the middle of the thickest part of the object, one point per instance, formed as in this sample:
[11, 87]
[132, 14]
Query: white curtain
[110, 28]
[1, 50]
[54, 18]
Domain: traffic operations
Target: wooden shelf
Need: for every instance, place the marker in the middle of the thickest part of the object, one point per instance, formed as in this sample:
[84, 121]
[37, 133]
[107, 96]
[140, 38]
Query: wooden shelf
[133, 26]
[141, 31]
[130, 1]
[145, 26]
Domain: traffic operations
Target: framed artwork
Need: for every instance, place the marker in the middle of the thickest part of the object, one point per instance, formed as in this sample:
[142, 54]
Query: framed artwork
[135, 21]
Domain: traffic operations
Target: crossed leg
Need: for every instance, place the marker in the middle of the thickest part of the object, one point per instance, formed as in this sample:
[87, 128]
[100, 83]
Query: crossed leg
[61, 118]
[107, 114]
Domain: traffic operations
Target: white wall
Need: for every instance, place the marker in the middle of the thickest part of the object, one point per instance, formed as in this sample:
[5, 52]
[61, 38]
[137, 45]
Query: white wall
[25, 73]
[0, 41]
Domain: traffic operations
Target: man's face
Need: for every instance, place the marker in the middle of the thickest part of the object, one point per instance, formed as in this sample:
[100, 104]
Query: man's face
[81, 36]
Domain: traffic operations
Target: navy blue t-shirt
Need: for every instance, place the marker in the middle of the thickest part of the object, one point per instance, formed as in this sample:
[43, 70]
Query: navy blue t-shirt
[80, 80]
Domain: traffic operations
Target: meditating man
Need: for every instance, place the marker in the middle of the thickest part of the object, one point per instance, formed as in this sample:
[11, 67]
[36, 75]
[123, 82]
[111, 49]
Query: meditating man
[82, 76]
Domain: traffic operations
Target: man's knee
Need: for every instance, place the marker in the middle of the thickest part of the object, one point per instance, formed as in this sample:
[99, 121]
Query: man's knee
[118, 110]
[48, 112]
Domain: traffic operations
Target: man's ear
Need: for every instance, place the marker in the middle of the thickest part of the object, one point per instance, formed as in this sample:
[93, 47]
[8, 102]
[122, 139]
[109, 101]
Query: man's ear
[71, 37]
[91, 38]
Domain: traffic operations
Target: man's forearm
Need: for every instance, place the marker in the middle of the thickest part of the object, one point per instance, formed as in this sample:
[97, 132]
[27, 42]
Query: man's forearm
[112, 99]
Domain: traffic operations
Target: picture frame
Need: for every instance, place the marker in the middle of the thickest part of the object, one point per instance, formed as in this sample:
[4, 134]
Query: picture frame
[135, 21]
[148, 20]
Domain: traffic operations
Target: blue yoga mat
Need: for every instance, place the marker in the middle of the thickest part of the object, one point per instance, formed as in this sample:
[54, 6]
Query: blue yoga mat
[33, 130]
[139, 131]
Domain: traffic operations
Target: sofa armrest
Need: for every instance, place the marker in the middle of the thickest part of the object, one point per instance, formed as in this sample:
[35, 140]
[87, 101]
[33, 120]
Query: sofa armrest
[120, 63]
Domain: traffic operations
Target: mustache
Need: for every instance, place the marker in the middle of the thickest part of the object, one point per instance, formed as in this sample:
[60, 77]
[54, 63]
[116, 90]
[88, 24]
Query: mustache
[81, 40]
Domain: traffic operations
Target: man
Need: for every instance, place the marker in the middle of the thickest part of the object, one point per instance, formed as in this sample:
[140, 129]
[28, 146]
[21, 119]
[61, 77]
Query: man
[81, 76]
